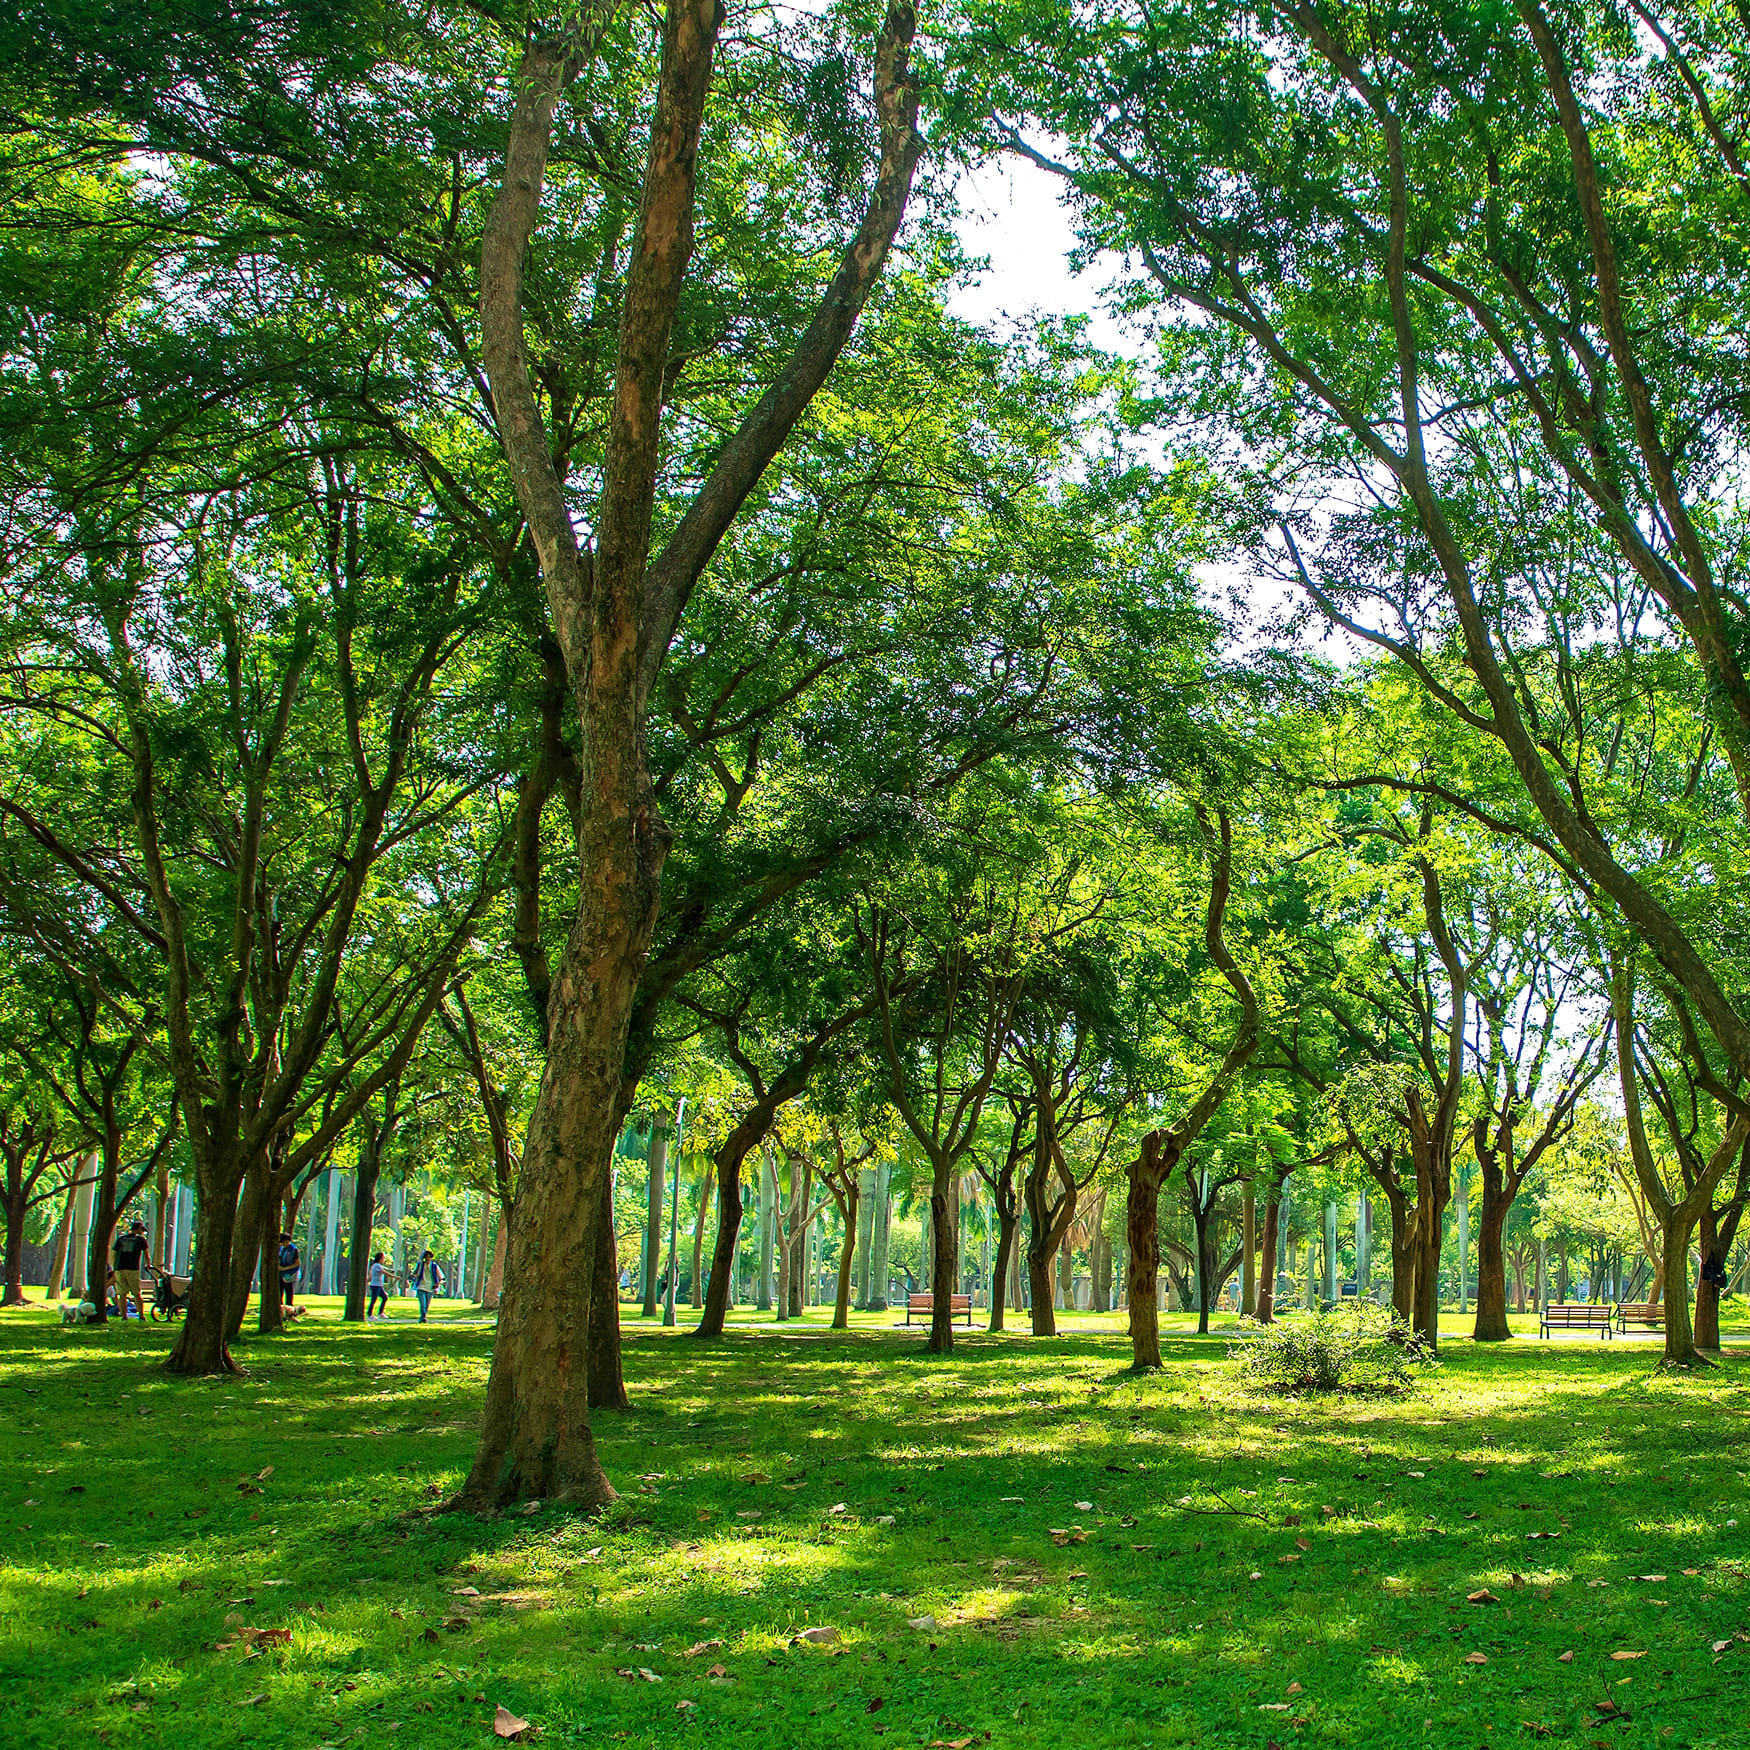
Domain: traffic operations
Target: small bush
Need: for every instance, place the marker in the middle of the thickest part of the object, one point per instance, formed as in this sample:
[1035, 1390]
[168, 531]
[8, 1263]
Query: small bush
[1361, 1349]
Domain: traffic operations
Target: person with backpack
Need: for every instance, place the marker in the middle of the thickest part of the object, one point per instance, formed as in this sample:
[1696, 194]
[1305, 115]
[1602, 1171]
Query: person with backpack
[427, 1278]
[379, 1295]
[131, 1252]
[291, 1267]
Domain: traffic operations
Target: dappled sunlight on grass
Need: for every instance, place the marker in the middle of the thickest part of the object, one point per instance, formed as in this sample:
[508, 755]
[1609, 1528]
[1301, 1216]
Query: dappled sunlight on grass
[1091, 1556]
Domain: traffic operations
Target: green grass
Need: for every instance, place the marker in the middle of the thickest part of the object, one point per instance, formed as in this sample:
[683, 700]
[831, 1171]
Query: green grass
[133, 1559]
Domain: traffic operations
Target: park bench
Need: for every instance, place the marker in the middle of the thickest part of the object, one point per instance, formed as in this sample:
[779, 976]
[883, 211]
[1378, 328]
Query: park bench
[1640, 1312]
[1565, 1315]
[925, 1306]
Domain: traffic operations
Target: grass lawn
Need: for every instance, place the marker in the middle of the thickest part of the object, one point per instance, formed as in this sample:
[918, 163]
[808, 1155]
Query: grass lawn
[1106, 1560]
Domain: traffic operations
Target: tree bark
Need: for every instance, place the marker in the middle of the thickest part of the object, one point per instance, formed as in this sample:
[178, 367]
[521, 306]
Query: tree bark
[15, 1214]
[203, 1344]
[493, 1288]
[1266, 1313]
[945, 1259]
[1145, 1176]
[604, 1366]
[848, 1208]
[1491, 1325]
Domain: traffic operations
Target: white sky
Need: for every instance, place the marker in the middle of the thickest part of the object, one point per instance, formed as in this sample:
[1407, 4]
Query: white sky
[1011, 213]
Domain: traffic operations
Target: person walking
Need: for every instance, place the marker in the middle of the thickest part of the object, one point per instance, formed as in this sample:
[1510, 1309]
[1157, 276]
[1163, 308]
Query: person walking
[131, 1252]
[291, 1267]
[379, 1285]
[426, 1280]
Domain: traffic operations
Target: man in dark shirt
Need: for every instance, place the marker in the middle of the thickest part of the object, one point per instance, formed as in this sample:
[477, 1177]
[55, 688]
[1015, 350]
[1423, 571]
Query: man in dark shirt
[131, 1251]
[291, 1263]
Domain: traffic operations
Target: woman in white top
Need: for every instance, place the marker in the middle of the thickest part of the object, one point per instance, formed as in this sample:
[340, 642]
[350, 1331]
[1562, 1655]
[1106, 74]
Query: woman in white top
[379, 1295]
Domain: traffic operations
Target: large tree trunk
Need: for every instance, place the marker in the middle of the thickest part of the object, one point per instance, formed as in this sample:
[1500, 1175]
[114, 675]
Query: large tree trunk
[945, 1260]
[202, 1345]
[1142, 1214]
[1491, 1325]
[15, 1216]
[536, 1441]
[1680, 1345]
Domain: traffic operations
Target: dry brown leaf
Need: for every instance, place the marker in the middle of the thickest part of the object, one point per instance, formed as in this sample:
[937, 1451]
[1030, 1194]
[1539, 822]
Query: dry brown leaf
[1476, 1658]
[1640, 1655]
[507, 1725]
[1292, 1689]
[699, 1647]
[1301, 1543]
[465, 1592]
[821, 1636]
[262, 1475]
[716, 1671]
[1564, 1658]
[1483, 1597]
[259, 1696]
[756, 1476]
[684, 1706]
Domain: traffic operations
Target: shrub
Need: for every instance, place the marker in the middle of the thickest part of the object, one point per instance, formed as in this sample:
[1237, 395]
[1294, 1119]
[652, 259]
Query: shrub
[1352, 1348]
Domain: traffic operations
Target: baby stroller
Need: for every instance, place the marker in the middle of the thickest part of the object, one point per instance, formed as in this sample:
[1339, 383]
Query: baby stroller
[169, 1295]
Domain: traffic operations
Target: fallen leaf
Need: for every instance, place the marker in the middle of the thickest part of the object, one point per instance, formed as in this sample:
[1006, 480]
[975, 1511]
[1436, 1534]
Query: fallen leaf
[927, 1624]
[529, 1507]
[1640, 1655]
[1254, 1576]
[884, 1519]
[648, 1675]
[699, 1647]
[1476, 1658]
[685, 1706]
[1721, 1646]
[465, 1592]
[1272, 1707]
[875, 1705]
[1301, 1543]
[262, 1475]
[819, 1637]
[716, 1671]
[1651, 1579]
[1472, 1516]
[1084, 1506]
[1293, 1558]
[1691, 1572]
[259, 1696]
[1483, 1597]
[1292, 1689]
[507, 1725]
[1415, 1473]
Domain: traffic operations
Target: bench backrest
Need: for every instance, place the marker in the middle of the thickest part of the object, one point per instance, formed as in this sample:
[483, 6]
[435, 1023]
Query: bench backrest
[923, 1302]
